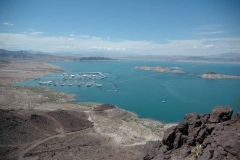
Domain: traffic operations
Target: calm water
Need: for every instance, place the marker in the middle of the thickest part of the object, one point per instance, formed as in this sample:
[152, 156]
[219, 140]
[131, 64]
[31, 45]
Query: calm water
[143, 91]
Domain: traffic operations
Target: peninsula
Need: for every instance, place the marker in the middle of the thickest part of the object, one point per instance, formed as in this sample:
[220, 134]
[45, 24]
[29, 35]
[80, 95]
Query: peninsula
[213, 75]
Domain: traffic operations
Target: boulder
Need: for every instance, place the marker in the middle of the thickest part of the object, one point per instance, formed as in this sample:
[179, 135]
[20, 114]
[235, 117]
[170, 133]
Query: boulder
[191, 117]
[169, 137]
[210, 127]
[183, 127]
[220, 114]
[202, 135]
[232, 147]
[178, 141]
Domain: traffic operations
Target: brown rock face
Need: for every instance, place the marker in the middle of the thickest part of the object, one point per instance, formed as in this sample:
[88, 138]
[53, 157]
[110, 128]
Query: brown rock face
[169, 136]
[220, 114]
[209, 136]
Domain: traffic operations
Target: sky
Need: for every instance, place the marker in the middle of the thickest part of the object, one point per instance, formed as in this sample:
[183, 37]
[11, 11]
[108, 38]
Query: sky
[121, 27]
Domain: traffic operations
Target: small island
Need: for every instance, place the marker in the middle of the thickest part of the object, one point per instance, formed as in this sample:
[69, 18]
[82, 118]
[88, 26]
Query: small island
[158, 68]
[178, 71]
[213, 75]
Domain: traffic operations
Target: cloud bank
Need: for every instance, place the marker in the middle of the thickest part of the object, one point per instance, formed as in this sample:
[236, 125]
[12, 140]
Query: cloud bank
[8, 24]
[85, 43]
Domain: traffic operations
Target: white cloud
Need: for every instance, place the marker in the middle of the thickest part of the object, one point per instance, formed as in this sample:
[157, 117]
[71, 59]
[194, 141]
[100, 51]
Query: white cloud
[64, 47]
[26, 41]
[85, 36]
[70, 39]
[213, 32]
[32, 33]
[96, 37]
[208, 27]
[195, 47]
[35, 33]
[71, 35]
[107, 48]
[209, 46]
[8, 24]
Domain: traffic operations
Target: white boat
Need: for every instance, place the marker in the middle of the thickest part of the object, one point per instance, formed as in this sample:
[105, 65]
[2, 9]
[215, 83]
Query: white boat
[98, 85]
[88, 84]
[44, 83]
[163, 101]
[40, 82]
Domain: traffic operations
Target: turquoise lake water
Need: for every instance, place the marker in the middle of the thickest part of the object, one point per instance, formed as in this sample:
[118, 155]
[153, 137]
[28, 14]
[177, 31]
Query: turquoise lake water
[143, 91]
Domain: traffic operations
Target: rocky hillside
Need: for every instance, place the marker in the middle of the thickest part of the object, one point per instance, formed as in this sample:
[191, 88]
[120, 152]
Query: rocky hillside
[210, 136]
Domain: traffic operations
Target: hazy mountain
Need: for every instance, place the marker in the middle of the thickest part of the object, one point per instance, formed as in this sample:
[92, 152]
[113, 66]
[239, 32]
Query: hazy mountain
[29, 55]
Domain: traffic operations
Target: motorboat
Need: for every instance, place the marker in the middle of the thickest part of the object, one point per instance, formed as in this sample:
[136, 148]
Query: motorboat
[89, 84]
[98, 85]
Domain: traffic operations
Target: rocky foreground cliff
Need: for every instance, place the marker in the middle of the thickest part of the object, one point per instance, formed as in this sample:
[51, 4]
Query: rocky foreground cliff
[212, 136]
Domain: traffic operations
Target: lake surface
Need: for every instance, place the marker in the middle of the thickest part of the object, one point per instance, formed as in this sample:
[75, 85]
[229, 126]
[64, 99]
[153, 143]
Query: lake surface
[143, 92]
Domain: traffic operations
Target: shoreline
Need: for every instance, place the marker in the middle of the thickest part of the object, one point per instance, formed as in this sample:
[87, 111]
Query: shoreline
[43, 71]
[72, 97]
[167, 60]
[20, 71]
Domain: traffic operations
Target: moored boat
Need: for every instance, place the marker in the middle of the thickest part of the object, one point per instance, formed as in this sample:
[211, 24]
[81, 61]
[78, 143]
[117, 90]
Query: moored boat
[98, 85]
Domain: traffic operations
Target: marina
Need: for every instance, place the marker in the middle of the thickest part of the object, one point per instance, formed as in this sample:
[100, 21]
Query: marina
[79, 79]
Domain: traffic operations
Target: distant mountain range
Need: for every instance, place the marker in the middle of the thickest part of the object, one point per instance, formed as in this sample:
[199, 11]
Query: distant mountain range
[4, 54]
[223, 57]
[26, 55]
[37, 55]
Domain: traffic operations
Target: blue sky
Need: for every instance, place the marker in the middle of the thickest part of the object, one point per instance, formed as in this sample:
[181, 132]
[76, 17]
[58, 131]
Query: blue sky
[144, 27]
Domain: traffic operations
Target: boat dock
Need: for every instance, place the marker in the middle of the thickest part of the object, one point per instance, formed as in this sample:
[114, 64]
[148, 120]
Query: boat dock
[114, 84]
[94, 73]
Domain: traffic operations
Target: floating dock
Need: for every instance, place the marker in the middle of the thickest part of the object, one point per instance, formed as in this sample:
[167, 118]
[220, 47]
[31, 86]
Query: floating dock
[98, 73]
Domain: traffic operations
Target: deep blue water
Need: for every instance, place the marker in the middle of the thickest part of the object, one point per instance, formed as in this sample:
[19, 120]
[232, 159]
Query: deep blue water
[143, 91]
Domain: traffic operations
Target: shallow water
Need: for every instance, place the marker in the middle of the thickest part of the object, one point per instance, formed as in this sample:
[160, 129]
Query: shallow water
[143, 91]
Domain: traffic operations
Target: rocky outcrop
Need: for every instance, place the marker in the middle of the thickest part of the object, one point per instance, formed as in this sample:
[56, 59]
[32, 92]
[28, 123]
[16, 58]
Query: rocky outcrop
[213, 75]
[158, 68]
[209, 136]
